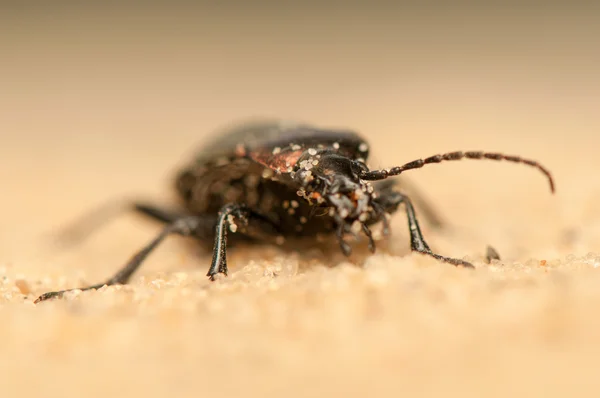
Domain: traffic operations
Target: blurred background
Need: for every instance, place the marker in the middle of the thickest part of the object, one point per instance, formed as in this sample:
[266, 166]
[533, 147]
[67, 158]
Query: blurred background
[106, 100]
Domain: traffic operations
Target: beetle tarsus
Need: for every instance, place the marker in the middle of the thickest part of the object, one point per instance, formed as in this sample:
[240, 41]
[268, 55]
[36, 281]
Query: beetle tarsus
[449, 260]
[60, 293]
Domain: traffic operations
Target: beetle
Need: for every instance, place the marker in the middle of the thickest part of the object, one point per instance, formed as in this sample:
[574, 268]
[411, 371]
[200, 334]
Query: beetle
[269, 180]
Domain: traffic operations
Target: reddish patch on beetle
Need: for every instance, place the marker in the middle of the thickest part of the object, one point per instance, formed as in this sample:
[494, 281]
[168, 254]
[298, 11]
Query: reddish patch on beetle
[279, 162]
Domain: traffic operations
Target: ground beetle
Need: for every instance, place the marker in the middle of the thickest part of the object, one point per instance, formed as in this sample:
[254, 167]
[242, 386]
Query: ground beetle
[272, 180]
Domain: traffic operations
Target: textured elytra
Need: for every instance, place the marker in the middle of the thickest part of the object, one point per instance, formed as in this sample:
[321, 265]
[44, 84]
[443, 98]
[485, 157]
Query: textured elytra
[272, 180]
[256, 163]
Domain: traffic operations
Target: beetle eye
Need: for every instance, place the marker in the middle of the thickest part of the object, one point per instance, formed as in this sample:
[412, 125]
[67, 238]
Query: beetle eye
[359, 167]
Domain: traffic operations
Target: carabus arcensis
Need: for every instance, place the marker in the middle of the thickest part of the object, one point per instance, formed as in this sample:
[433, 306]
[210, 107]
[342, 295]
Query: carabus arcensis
[272, 180]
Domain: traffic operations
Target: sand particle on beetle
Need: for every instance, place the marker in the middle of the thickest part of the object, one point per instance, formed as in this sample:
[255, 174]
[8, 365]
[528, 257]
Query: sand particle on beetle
[270, 180]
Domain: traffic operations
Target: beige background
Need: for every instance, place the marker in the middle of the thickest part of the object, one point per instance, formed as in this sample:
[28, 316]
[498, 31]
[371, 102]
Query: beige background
[104, 103]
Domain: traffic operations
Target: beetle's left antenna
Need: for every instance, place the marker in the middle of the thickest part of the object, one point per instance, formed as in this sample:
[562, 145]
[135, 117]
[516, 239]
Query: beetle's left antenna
[416, 164]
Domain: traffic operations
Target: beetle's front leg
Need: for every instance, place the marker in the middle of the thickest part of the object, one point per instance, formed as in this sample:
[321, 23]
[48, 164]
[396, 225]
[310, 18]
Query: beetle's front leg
[390, 202]
[417, 242]
[236, 218]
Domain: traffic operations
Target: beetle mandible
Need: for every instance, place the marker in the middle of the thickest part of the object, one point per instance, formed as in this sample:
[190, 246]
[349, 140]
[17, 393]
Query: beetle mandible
[273, 179]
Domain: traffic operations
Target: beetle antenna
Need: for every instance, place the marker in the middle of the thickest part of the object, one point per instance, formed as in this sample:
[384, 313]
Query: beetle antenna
[416, 164]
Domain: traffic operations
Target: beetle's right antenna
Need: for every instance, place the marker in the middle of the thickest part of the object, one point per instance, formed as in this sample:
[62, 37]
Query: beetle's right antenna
[416, 164]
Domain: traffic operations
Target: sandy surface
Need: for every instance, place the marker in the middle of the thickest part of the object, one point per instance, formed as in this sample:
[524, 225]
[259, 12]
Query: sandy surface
[99, 105]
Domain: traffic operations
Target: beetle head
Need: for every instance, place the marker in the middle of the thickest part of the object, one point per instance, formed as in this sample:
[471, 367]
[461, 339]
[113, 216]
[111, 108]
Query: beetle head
[331, 180]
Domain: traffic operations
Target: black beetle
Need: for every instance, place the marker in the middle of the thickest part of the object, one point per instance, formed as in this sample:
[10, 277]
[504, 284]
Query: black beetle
[271, 180]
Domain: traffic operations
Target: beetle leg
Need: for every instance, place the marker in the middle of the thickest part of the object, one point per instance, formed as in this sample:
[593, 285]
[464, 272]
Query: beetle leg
[417, 242]
[369, 235]
[236, 218]
[427, 210]
[185, 226]
[87, 224]
[346, 249]
[157, 213]
[387, 189]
